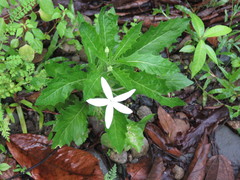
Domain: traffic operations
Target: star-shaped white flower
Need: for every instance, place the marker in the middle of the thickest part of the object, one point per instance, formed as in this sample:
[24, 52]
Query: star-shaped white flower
[111, 102]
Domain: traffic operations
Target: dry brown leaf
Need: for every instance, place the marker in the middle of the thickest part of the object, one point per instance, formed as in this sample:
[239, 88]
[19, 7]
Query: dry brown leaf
[219, 167]
[234, 124]
[173, 127]
[140, 170]
[193, 137]
[65, 163]
[157, 169]
[157, 137]
[196, 168]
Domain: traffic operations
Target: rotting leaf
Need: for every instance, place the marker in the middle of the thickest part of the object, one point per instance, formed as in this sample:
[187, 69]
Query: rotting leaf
[173, 127]
[219, 167]
[140, 170]
[158, 138]
[196, 168]
[65, 163]
[157, 169]
[193, 137]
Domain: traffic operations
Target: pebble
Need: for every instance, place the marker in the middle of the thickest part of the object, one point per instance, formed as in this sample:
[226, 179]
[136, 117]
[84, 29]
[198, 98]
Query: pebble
[178, 172]
[144, 111]
[119, 158]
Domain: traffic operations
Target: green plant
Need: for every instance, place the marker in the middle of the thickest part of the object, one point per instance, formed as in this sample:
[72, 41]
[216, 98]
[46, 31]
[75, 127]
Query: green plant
[227, 92]
[202, 49]
[132, 62]
[22, 170]
[20, 40]
[4, 167]
[160, 10]
[112, 173]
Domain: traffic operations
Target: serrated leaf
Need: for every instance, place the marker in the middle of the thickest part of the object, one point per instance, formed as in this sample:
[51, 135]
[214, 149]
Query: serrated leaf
[128, 40]
[211, 53]
[148, 85]
[71, 125]
[92, 85]
[61, 28]
[197, 24]
[91, 40]
[107, 22]
[157, 38]
[134, 136]
[55, 69]
[177, 81]
[218, 30]
[152, 64]
[117, 131]
[199, 58]
[60, 88]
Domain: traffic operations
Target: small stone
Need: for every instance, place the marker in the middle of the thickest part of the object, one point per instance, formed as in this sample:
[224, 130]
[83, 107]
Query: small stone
[119, 158]
[144, 150]
[178, 172]
[143, 111]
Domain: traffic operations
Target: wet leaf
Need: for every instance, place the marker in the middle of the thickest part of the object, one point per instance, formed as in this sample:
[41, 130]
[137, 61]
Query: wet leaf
[219, 167]
[194, 136]
[65, 163]
[173, 127]
[157, 137]
[140, 170]
[157, 169]
[196, 168]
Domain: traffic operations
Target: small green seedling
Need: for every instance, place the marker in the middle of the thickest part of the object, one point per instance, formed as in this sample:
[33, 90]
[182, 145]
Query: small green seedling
[202, 49]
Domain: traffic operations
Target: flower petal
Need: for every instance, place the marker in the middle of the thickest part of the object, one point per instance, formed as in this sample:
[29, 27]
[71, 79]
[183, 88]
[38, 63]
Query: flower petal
[98, 102]
[121, 108]
[109, 115]
[106, 88]
[124, 96]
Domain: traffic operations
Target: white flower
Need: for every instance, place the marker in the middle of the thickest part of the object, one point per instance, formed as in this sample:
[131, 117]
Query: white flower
[111, 102]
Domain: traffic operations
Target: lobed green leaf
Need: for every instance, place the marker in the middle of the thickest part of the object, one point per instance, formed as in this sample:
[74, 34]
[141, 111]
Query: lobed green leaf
[117, 131]
[107, 24]
[92, 85]
[157, 38]
[152, 64]
[148, 85]
[60, 88]
[91, 40]
[128, 40]
[71, 125]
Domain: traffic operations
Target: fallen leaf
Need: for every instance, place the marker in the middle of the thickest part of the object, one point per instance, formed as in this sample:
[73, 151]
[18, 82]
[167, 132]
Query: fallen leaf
[173, 127]
[65, 163]
[157, 137]
[157, 169]
[197, 166]
[219, 167]
[139, 170]
[234, 124]
[194, 136]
